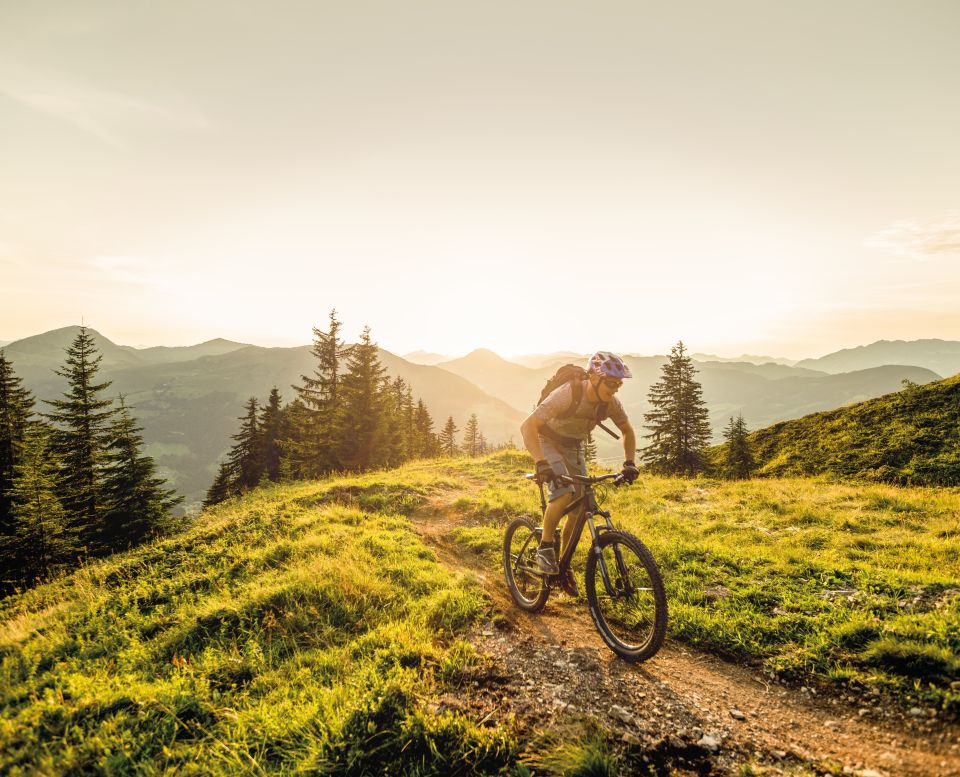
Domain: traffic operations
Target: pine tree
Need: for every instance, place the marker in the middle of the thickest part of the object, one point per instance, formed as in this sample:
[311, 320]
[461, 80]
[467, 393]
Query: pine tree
[223, 486]
[679, 431]
[397, 443]
[448, 439]
[471, 436]
[270, 433]
[81, 420]
[293, 466]
[409, 421]
[244, 458]
[484, 445]
[16, 407]
[362, 429]
[44, 540]
[310, 446]
[135, 501]
[738, 461]
[425, 441]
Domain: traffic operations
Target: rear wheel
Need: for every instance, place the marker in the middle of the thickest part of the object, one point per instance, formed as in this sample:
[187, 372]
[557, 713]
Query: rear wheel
[526, 583]
[626, 596]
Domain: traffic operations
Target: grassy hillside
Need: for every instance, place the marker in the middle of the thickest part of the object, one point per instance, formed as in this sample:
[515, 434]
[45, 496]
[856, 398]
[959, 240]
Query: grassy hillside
[306, 628]
[301, 629]
[854, 585]
[909, 437]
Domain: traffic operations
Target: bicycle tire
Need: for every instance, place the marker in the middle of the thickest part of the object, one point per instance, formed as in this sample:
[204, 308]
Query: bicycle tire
[528, 589]
[637, 605]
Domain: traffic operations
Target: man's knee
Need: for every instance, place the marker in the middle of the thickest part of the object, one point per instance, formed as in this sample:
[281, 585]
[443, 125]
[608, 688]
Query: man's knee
[560, 501]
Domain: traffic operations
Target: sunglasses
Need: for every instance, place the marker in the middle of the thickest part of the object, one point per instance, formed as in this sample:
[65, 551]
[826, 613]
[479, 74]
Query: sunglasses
[612, 383]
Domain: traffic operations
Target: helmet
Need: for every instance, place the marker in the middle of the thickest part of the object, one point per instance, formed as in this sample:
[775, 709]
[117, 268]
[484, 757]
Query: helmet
[606, 364]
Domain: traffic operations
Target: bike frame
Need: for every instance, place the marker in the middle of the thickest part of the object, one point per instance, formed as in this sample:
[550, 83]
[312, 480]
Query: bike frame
[590, 508]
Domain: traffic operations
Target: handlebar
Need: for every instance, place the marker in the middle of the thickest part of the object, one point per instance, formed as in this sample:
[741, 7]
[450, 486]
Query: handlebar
[584, 480]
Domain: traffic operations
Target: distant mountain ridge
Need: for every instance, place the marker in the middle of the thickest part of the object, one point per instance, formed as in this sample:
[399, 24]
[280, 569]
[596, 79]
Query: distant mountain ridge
[425, 357]
[941, 356]
[189, 398]
[750, 358]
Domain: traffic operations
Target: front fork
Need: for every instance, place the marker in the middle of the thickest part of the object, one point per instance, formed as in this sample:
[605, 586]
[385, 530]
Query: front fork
[596, 531]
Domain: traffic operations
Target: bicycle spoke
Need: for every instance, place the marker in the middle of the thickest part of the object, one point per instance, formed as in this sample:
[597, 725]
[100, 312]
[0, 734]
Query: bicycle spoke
[524, 579]
[624, 595]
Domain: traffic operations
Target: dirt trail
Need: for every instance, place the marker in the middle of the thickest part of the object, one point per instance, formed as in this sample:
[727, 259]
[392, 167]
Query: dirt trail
[679, 707]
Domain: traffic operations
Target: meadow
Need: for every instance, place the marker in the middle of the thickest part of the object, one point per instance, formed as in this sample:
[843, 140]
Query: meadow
[301, 628]
[306, 627]
[819, 581]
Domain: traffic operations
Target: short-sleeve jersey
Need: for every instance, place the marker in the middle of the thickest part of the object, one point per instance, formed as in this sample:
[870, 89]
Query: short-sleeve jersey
[584, 418]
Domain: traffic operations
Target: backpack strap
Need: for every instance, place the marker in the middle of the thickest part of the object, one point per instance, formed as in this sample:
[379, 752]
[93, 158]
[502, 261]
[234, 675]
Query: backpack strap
[576, 388]
[602, 415]
[609, 431]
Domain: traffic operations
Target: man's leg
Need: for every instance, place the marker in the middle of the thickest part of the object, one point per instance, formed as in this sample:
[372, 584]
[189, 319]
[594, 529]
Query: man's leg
[577, 462]
[552, 517]
[560, 496]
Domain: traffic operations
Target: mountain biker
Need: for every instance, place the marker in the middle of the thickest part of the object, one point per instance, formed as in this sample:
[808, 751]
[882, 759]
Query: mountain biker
[554, 434]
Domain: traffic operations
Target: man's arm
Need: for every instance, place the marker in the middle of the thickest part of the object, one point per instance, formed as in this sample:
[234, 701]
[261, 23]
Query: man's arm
[530, 431]
[629, 441]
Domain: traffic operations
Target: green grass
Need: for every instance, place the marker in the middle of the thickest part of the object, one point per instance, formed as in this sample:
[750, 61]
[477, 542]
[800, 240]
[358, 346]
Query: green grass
[910, 437]
[850, 584]
[302, 628]
[306, 628]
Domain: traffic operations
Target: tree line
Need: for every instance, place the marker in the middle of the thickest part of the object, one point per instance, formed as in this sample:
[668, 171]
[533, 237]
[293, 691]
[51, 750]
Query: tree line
[347, 416]
[74, 482]
[679, 431]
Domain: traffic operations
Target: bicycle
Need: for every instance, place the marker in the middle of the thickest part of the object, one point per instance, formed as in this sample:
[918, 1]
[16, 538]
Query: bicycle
[623, 584]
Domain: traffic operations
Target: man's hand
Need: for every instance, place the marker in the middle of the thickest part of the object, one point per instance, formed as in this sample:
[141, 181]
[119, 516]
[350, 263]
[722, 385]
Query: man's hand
[545, 473]
[630, 471]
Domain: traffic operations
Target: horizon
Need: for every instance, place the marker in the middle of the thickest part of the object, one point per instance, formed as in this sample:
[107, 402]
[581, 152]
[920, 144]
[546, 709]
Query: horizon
[756, 178]
[452, 356]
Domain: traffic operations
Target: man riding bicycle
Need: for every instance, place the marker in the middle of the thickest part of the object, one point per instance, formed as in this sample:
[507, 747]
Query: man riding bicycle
[555, 433]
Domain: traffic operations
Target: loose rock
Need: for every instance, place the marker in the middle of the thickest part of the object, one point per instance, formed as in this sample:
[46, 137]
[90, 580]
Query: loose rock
[620, 714]
[710, 743]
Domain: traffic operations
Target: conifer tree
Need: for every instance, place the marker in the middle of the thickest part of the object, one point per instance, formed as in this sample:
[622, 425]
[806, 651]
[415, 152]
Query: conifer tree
[738, 461]
[135, 501]
[471, 436]
[223, 486]
[679, 431]
[44, 540]
[484, 445]
[362, 430]
[448, 439]
[80, 421]
[409, 421]
[426, 444]
[16, 407]
[244, 458]
[310, 445]
[397, 443]
[270, 433]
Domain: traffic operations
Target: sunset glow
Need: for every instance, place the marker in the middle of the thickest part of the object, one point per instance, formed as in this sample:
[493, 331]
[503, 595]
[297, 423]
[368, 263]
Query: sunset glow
[760, 178]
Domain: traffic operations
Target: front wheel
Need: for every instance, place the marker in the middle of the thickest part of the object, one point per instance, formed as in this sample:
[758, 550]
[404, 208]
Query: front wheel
[625, 592]
[526, 583]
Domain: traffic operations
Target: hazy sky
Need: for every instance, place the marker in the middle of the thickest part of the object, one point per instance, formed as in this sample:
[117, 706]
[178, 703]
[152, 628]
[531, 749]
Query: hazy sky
[769, 177]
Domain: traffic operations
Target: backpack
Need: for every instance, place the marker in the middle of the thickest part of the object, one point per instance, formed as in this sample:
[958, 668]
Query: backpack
[575, 375]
